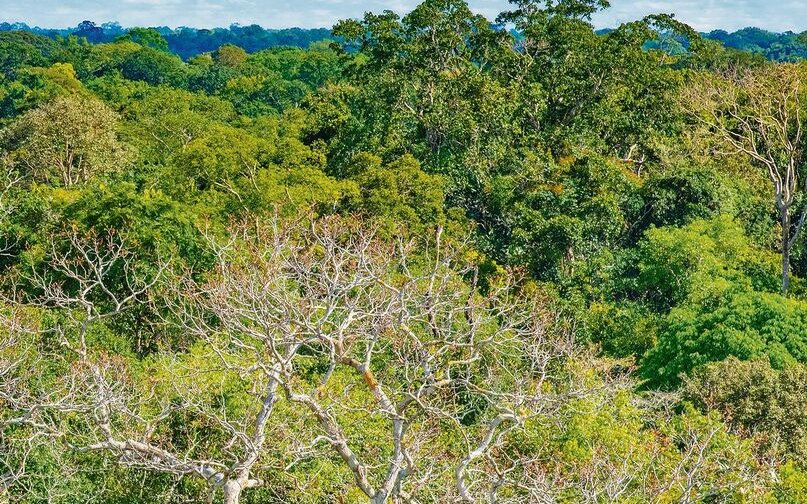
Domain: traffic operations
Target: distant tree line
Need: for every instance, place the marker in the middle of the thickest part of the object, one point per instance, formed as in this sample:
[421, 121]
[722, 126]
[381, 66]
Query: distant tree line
[187, 42]
[781, 47]
[787, 46]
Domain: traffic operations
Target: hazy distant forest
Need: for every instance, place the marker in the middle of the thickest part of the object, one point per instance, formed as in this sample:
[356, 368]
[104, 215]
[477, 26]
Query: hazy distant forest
[187, 42]
[417, 258]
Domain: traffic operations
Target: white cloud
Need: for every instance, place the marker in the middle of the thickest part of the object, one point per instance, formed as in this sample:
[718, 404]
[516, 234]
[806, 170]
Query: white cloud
[708, 15]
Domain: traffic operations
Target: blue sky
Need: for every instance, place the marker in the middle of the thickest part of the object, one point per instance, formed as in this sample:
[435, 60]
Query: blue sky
[702, 14]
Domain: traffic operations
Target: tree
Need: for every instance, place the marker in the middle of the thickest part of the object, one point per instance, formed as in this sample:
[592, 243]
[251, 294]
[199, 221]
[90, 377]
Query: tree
[323, 316]
[10, 180]
[399, 192]
[89, 30]
[680, 266]
[230, 55]
[501, 115]
[19, 50]
[427, 262]
[607, 91]
[148, 37]
[31, 389]
[757, 401]
[410, 334]
[758, 113]
[743, 324]
[68, 141]
[154, 66]
[37, 86]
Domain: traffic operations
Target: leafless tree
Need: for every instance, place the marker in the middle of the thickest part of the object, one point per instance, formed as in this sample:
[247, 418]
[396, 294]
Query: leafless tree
[13, 356]
[77, 283]
[9, 180]
[411, 328]
[350, 334]
[758, 113]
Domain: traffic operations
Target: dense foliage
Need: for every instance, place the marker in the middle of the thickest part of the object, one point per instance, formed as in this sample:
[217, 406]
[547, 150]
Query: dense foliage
[787, 46]
[186, 41]
[435, 261]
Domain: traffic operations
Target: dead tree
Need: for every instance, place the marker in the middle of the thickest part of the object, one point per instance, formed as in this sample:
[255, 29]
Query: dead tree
[407, 328]
[10, 179]
[758, 114]
[347, 331]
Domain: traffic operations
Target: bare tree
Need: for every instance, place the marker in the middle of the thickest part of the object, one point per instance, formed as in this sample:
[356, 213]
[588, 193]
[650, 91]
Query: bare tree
[78, 284]
[9, 180]
[325, 316]
[25, 400]
[14, 356]
[758, 113]
[411, 328]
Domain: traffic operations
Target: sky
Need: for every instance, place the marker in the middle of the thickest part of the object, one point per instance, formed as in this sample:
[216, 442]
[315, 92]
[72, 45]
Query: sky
[704, 15]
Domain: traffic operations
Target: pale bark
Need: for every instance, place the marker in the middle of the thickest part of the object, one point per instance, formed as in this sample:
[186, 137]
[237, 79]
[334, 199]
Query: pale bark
[757, 113]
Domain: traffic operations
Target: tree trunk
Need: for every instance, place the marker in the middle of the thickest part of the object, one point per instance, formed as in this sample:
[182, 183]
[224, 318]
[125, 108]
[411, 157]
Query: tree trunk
[785, 251]
[232, 492]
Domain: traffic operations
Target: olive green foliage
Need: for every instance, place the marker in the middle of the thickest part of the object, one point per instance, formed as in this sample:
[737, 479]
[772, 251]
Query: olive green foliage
[67, 141]
[399, 191]
[758, 401]
[230, 55]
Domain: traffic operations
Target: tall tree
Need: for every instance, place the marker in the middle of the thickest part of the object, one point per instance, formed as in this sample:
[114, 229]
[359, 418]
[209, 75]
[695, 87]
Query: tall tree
[148, 37]
[759, 114]
[66, 141]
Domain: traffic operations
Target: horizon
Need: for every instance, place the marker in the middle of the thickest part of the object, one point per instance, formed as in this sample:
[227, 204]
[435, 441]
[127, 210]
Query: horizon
[207, 14]
[231, 25]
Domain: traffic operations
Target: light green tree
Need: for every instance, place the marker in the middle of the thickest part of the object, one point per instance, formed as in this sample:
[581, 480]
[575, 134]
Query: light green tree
[67, 141]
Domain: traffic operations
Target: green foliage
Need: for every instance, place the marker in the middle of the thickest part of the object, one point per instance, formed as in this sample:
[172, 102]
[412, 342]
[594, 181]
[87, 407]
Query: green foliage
[399, 192]
[623, 329]
[148, 37]
[20, 49]
[758, 401]
[154, 67]
[793, 486]
[699, 261]
[678, 198]
[787, 46]
[230, 56]
[65, 142]
[719, 291]
[739, 323]
[566, 157]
